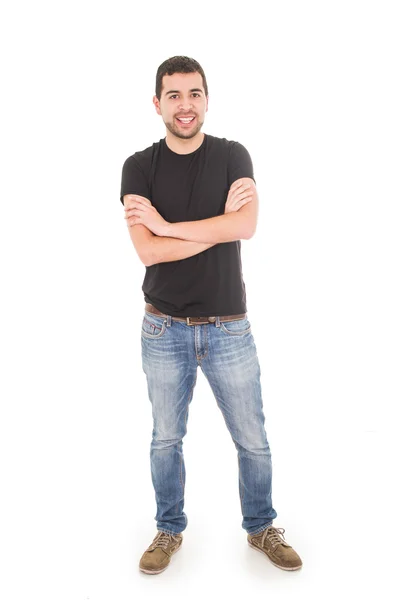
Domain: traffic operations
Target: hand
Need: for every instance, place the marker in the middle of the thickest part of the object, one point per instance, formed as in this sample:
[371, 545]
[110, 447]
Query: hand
[139, 209]
[239, 194]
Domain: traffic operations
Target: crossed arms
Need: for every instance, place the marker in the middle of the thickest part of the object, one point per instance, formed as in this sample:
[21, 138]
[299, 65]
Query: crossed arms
[155, 240]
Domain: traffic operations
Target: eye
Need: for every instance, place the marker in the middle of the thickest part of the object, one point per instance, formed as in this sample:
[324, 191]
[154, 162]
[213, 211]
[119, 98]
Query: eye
[195, 94]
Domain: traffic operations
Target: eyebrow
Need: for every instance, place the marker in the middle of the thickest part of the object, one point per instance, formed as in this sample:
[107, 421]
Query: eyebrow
[178, 92]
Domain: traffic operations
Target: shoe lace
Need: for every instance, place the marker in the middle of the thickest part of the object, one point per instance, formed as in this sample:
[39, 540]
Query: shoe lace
[162, 540]
[273, 534]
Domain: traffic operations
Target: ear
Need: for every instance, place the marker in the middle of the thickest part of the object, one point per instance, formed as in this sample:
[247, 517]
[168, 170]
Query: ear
[156, 104]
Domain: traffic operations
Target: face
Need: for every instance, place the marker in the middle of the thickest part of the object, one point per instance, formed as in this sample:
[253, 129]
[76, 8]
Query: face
[182, 96]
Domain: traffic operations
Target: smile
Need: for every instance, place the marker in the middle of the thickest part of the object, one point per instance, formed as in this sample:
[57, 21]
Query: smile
[186, 122]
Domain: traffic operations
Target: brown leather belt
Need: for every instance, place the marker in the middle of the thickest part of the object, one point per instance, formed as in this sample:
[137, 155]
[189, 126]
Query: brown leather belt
[194, 320]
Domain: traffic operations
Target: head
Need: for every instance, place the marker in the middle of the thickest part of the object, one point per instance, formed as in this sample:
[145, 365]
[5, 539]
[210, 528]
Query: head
[181, 91]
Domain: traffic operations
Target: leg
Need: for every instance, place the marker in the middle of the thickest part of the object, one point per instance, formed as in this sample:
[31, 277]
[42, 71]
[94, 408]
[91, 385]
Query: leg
[232, 368]
[171, 377]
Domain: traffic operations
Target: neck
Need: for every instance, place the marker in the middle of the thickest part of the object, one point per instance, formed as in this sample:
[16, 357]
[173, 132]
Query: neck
[181, 146]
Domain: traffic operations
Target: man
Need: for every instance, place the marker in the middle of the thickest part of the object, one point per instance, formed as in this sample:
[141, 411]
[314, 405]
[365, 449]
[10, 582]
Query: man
[189, 199]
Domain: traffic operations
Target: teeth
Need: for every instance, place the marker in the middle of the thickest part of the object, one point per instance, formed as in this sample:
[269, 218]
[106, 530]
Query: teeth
[185, 120]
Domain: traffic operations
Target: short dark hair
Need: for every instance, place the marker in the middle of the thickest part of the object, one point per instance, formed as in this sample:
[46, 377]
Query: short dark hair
[178, 64]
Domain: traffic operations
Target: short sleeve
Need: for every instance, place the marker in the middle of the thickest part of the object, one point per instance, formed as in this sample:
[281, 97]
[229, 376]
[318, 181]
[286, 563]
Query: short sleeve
[133, 180]
[240, 163]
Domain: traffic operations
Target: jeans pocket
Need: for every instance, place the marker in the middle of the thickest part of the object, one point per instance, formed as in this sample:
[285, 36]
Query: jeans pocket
[239, 327]
[153, 326]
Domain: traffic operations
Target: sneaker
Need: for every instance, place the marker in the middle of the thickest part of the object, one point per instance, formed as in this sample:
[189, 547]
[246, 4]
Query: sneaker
[158, 556]
[275, 547]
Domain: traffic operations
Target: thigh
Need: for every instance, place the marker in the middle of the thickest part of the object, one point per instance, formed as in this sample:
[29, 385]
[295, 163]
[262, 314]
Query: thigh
[232, 358]
[233, 372]
[170, 371]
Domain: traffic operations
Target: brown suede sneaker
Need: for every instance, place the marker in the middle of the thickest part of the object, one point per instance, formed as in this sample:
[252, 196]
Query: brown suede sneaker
[276, 548]
[158, 556]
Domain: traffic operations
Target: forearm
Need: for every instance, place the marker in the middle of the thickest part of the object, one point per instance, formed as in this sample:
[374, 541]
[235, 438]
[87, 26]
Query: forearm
[215, 230]
[167, 249]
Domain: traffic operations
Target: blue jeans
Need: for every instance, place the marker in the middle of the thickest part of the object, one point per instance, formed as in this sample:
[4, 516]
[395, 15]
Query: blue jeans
[226, 353]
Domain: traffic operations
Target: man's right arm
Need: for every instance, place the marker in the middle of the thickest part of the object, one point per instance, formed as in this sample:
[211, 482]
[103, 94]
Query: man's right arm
[153, 249]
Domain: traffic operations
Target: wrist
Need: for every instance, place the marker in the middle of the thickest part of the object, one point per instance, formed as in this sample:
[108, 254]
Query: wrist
[167, 230]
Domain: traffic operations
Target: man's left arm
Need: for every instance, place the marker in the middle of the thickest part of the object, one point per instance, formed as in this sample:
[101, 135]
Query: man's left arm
[232, 226]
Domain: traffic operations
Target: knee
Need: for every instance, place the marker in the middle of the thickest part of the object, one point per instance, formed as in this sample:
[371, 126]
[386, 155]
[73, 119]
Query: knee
[253, 447]
[163, 438]
[164, 443]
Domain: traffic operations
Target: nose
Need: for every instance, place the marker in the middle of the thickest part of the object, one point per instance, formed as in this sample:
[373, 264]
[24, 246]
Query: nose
[185, 106]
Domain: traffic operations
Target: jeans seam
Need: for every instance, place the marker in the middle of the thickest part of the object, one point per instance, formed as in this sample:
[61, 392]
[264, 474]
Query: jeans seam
[240, 484]
[181, 458]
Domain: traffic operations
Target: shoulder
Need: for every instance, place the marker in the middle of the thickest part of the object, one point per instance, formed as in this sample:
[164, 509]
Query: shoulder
[239, 162]
[142, 159]
[228, 146]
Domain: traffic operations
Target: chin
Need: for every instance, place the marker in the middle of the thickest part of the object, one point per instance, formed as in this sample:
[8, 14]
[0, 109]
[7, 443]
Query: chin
[185, 135]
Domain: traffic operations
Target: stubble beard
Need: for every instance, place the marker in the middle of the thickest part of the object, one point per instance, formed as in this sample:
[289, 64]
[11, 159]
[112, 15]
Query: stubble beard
[181, 133]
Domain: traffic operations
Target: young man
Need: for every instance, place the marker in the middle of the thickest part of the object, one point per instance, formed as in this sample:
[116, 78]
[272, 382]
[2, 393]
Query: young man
[189, 199]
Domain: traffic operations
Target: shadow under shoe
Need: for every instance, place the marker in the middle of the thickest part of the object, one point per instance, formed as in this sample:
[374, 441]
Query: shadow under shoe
[275, 547]
[158, 556]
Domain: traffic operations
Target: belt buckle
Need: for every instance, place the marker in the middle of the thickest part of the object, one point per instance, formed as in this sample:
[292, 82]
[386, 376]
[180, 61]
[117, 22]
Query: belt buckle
[209, 320]
[198, 322]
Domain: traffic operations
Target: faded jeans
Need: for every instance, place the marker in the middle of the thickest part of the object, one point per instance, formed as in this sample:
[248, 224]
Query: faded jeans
[226, 353]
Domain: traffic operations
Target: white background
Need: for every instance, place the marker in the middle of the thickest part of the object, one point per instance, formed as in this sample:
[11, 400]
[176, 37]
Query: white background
[310, 89]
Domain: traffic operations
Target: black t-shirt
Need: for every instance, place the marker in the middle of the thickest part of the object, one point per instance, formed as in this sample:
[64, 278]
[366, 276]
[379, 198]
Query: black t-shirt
[191, 187]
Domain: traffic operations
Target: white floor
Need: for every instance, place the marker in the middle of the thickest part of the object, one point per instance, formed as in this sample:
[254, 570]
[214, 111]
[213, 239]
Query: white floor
[332, 497]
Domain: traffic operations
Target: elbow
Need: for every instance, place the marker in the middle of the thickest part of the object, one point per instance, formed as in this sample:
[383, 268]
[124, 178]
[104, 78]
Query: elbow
[248, 228]
[151, 258]
[249, 233]
[147, 260]
[147, 254]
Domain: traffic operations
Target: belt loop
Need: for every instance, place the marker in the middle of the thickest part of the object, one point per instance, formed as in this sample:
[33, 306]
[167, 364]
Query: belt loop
[168, 320]
[217, 321]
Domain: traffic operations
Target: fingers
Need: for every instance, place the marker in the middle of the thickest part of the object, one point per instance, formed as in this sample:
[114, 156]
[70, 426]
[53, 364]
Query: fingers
[241, 203]
[132, 221]
[132, 216]
[237, 184]
[238, 190]
[241, 195]
[246, 192]
[132, 199]
[137, 197]
[135, 208]
[133, 211]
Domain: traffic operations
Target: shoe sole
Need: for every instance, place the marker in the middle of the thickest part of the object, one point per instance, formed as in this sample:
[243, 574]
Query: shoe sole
[273, 563]
[151, 572]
